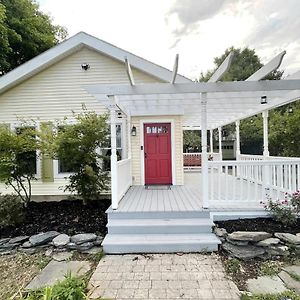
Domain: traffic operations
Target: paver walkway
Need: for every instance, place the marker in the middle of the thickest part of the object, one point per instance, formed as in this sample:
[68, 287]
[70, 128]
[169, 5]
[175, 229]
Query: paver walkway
[162, 276]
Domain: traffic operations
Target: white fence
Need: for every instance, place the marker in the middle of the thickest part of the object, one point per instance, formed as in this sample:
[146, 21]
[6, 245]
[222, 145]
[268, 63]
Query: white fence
[251, 181]
[124, 177]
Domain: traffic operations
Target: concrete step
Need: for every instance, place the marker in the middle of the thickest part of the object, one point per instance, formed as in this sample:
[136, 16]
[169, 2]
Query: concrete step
[116, 214]
[160, 243]
[162, 226]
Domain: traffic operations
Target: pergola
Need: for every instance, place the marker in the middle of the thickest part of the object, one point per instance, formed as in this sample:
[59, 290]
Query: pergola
[203, 106]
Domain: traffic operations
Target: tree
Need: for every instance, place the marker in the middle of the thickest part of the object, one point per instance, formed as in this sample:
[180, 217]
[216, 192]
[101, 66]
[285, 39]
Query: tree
[77, 145]
[17, 159]
[245, 63]
[191, 140]
[25, 33]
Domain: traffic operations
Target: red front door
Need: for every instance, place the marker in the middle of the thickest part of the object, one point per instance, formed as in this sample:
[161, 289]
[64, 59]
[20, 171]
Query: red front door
[157, 149]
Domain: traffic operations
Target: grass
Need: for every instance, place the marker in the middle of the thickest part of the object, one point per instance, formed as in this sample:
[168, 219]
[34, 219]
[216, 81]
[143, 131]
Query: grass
[269, 268]
[232, 266]
[289, 295]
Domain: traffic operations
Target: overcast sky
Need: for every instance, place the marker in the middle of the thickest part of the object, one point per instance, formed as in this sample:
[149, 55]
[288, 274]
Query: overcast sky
[198, 30]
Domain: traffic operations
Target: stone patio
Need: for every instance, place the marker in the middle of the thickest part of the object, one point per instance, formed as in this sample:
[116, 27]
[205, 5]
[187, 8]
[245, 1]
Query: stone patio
[161, 276]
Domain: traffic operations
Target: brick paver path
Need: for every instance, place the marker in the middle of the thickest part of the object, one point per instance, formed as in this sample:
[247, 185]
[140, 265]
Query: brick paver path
[162, 276]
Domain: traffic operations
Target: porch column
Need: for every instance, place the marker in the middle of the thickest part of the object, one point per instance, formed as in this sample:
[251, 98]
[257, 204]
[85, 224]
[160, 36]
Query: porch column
[129, 136]
[238, 141]
[204, 161]
[265, 115]
[220, 143]
[124, 140]
[113, 160]
[211, 142]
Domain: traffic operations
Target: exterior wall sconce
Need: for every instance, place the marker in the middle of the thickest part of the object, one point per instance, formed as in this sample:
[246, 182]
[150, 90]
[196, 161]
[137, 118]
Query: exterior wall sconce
[133, 131]
[85, 67]
[263, 100]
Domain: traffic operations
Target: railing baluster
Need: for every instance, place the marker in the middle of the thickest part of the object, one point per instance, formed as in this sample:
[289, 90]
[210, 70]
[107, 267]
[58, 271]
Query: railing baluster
[226, 182]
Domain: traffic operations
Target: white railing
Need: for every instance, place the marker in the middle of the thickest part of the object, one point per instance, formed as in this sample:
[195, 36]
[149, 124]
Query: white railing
[251, 157]
[124, 177]
[249, 182]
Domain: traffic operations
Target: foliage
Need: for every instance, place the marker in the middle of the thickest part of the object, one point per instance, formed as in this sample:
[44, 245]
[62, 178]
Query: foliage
[232, 266]
[25, 33]
[17, 159]
[191, 140]
[11, 210]
[288, 295]
[269, 268]
[77, 145]
[71, 287]
[286, 211]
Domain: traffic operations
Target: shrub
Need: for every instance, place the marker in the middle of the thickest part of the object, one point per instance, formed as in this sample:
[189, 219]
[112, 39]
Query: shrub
[11, 210]
[285, 211]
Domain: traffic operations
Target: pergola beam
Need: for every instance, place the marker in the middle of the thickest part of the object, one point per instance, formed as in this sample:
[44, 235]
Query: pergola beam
[194, 87]
[223, 68]
[175, 69]
[267, 68]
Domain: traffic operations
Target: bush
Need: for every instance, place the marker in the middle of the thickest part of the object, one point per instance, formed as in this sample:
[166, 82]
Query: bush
[285, 211]
[71, 288]
[11, 210]
[232, 266]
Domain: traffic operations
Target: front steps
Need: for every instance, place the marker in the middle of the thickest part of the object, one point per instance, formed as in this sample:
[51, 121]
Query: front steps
[159, 232]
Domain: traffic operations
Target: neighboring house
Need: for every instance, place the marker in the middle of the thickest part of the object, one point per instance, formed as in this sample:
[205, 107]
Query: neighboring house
[156, 207]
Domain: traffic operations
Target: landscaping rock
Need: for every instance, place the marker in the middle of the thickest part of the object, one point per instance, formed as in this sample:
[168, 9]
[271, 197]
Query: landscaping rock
[243, 252]
[18, 239]
[288, 237]
[71, 246]
[99, 240]
[290, 282]
[8, 247]
[56, 271]
[61, 240]
[92, 251]
[27, 245]
[62, 256]
[220, 232]
[237, 243]
[4, 241]
[43, 238]
[250, 236]
[293, 270]
[84, 246]
[280, 250]
[83, 238]
[48, 252]
[266, 285]
[29, 251]
[268, 242]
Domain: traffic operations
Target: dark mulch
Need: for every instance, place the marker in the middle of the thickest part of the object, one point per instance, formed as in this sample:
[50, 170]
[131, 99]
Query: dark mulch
[258, 224]
[68, 216]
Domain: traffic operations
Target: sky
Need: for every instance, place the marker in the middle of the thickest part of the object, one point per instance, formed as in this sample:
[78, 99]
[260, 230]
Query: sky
[198, 30]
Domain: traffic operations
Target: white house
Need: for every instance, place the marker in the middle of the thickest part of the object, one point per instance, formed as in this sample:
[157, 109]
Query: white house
[155, 206]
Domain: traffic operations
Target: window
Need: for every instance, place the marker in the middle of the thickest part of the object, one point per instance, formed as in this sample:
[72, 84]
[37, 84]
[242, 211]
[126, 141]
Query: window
[27, 159]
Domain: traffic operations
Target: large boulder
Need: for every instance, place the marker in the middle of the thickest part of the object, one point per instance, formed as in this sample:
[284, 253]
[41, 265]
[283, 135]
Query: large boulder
[43, 238]
[83, 238]
[266, 285]
[250, 236]
[243, 252]
[268, 242]
[288, 237]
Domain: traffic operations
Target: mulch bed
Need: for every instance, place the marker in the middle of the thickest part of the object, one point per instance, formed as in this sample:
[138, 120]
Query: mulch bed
[68, 216]
[258, 224]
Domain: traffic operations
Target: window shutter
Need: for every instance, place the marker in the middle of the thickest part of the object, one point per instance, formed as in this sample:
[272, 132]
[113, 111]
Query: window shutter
[47, 162]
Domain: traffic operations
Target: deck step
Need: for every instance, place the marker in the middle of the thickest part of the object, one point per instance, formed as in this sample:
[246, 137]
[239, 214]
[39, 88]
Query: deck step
[160, 243]
[162, 226]
[115, 214]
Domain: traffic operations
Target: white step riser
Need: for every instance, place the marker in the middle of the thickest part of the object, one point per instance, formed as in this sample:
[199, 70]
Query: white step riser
[159, 229]
[158, 215]
[122, 249]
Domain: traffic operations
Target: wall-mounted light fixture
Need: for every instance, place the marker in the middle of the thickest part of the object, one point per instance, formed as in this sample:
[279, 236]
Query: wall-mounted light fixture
[85, 66]
[263, 100]
[133, 131]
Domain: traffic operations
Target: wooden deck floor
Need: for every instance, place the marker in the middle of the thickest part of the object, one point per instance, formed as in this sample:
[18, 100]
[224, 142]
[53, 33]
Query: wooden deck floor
[188, 197]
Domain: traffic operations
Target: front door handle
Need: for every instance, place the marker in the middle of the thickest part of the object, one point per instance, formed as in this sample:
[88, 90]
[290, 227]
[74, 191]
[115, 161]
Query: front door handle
[145, 155]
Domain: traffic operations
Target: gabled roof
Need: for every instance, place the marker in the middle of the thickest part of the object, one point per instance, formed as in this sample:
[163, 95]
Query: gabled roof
[71, 45]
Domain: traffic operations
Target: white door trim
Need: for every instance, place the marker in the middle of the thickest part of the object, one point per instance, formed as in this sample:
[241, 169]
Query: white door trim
[142, 146]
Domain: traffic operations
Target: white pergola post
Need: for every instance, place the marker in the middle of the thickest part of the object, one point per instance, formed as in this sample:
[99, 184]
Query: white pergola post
[220, 143]
[211, 142]
[128, 137]
[204, 160]
[265, 116]
[238, 140]
[113, 159]
[124, 140]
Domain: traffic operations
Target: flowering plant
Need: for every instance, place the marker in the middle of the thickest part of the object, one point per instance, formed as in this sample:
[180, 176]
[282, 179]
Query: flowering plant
[284, 211]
